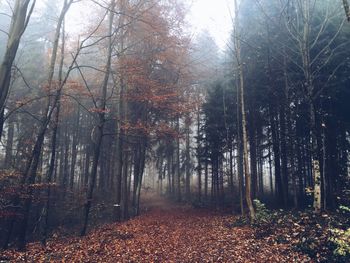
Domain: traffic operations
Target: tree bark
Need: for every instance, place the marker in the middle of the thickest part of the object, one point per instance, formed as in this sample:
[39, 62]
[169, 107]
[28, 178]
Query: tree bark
[9, 144]
[29, 175]
[199, 157]
[19, 22]
[74, 149]
[248, 194]
[53, 146]
[188, 161]
[99, 128]
[178, 174]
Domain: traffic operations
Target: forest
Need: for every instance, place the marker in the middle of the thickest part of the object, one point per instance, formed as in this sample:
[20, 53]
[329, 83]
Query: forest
[128, 137]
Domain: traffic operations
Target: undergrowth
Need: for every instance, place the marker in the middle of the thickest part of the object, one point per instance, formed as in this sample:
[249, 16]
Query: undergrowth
[323, 237]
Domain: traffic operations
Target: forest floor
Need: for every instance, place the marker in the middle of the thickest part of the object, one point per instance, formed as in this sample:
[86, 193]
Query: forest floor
[166, 232]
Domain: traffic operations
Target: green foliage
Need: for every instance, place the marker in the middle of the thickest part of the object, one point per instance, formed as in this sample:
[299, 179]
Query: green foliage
[341, 239]
[262, 214]
[220, 118]
[345, 209]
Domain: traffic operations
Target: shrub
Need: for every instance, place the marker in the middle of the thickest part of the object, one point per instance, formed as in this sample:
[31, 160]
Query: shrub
[262, 214]
[341, 239]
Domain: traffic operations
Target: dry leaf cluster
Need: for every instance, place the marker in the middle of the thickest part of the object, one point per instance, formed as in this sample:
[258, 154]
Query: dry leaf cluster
[165, 233]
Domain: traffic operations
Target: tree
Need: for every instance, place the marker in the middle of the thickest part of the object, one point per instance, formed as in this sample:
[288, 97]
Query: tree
[22, 12]
[347, 9]
[237, 47]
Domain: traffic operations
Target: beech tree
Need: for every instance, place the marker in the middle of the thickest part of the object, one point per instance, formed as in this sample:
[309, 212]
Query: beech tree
[22, 12]
[101, 110]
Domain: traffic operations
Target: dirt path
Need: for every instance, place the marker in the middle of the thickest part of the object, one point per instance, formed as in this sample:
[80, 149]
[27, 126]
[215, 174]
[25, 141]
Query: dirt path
[165, 233]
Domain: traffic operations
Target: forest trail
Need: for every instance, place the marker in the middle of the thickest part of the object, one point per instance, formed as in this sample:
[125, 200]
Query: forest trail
[165, 232]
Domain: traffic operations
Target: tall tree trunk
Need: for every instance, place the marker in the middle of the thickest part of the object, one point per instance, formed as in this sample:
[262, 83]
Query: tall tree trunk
[283, 147]
[240, 169]
[178, 174]
[99, 128]
[169, 168]
[315, 162]
[9, 144]
[87, 166]
[270, 172]
[65, 150]
[199, 157]
[29, 175]
[188, 159]
[237, 40]
[124, 187]
[74, 149]
[277, 158]
[206, 180]
[19, 22]
[137, 167]
[231, 160]
[121, 136]
[305, 50]
[253, 158]
[92, 181]
[53, 145]
[141, 172]
[50, 175]
[160, 175]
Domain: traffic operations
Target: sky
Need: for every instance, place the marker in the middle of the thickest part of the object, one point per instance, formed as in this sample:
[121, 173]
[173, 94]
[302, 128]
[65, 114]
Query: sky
[213, 15]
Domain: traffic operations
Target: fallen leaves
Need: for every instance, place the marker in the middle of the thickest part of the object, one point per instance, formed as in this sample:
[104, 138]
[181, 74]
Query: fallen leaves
[171, 234]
